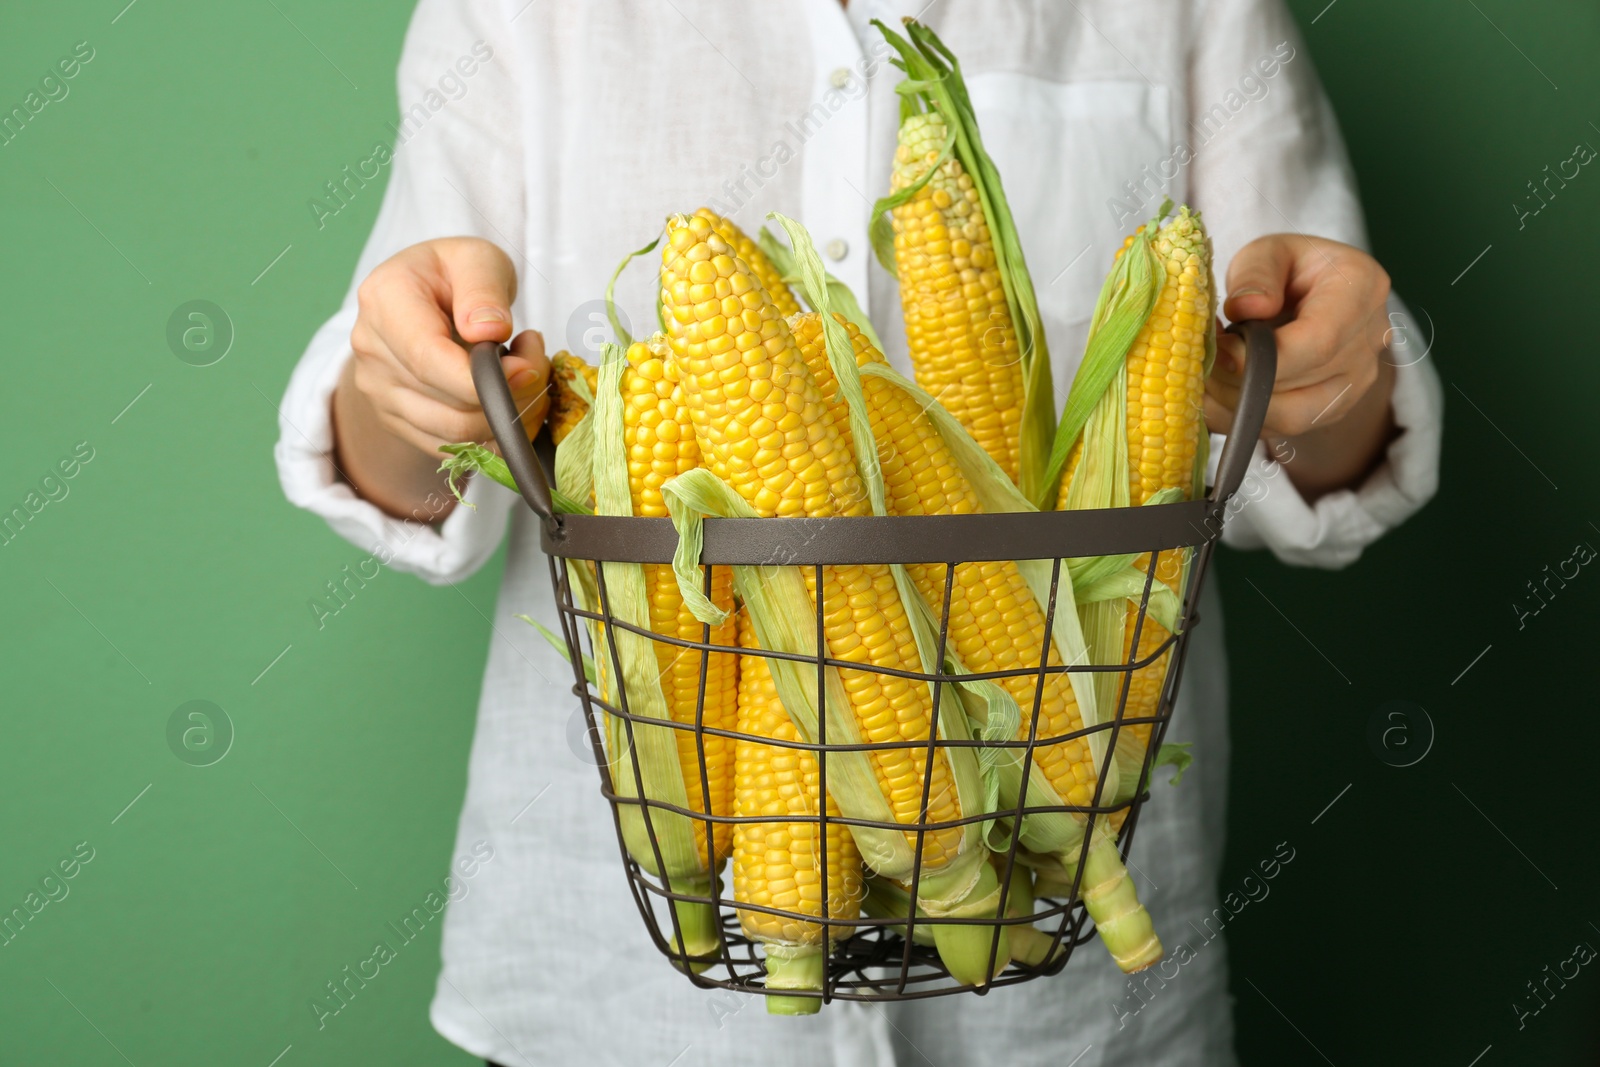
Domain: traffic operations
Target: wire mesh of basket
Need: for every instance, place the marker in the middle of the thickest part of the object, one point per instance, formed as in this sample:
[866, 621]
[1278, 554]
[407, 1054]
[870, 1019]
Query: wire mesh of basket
[871, 954]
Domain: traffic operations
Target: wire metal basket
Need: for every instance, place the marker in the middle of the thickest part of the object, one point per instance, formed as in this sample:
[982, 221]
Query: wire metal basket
[877, 958]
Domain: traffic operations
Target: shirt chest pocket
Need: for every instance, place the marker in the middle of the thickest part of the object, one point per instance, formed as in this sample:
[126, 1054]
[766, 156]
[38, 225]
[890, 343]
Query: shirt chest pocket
[1064, 150]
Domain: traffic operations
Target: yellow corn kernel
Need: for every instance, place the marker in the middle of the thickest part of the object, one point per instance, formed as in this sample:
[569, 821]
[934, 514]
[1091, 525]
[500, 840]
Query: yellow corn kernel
[746, 248]
[962, 342]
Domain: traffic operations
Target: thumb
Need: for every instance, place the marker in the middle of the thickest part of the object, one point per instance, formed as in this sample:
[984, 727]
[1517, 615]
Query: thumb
[481, 284]
[1257, 278]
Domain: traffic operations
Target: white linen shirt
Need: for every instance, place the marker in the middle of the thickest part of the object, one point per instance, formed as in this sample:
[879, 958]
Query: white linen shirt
[579, 127]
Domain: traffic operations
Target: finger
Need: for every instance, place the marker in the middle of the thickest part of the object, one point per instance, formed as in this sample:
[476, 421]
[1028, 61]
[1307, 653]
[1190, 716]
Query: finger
[1230, 353]
[1310, 350]
[433, 366]
[1258, 277]
[526, 366]
[1338, 328]
[427, 423]
[481, 285]
[1296, 411]
[527, 372]
[1219, 417]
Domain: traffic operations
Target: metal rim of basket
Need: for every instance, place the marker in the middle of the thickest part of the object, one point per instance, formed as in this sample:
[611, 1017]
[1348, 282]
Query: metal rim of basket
[874, 958]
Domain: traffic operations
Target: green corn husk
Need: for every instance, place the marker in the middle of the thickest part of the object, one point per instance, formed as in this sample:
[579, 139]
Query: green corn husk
[889, 900]
[1100, 482]
[1126, 300]
[651, 759]
[469, 457]
[1029, 944]
[1057, 837]
[840, 297]
[934, 82]
[623, 337]
[575, 454]
[591, 673]
[841, 355]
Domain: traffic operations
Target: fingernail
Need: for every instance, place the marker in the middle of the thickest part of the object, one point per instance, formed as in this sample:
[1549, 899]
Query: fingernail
[488, 314]
[1237, 293]
[521, 379]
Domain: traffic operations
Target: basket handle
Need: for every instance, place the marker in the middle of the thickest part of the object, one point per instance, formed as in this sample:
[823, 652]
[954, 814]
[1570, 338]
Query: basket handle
[1260, 372]
[506, 424]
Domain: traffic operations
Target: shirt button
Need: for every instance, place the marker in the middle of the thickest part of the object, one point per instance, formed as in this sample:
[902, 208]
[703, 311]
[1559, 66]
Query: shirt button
[839, 78]
[837, 249]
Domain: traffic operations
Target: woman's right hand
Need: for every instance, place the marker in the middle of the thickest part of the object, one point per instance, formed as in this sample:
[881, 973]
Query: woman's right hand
[408, 388]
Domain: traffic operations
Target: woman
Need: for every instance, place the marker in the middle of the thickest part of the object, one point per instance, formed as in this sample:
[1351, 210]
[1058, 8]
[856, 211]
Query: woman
[541, 141]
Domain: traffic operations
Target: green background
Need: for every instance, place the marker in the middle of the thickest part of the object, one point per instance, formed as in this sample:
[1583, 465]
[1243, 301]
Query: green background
[218, 903]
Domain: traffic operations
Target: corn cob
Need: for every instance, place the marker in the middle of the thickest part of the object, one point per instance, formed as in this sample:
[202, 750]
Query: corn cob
[959, 332]
[566, 406]
[761, 419]
[1166, 415]
[777, 862]
[660, 444]
[995, 624]
[763, 428]
[750, 252]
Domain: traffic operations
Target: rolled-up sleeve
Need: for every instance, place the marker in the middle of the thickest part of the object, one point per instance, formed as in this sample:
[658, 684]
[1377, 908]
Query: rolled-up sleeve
[456, 169]
[1278, 165]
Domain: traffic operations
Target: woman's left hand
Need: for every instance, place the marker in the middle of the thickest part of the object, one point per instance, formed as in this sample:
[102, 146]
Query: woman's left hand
[1329, 420]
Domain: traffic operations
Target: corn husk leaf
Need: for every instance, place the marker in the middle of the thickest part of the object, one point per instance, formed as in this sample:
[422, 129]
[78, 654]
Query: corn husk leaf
[1128, 584]
[557, 642]
[996, 494]
[781, 610]
[653, 752]
[469, 457]
[575, 457]
[1086, 570]
[1202, 452]
[1174, 754]
[1101, 481]
[881, 229]
[839, 295]
[623, 337]
[1126, 300]
[1044, 832]
[975, 770]
[841, 356]
[886, 900]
